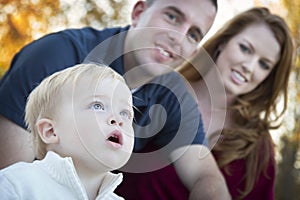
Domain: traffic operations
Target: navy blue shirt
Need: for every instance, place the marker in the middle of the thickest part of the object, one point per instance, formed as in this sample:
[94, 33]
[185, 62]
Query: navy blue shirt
[166, 115]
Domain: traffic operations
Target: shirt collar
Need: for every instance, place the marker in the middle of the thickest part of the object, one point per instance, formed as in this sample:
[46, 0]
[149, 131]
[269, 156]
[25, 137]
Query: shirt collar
[62, 170]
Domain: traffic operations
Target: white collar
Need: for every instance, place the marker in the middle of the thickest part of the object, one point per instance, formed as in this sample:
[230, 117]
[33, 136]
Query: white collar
[63, 171]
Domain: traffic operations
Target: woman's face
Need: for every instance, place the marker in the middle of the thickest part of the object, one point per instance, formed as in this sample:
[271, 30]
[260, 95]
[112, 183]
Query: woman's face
[248, 58]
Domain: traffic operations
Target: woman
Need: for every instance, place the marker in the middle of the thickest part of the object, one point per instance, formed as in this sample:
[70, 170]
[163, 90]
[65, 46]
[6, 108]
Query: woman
[253, 53]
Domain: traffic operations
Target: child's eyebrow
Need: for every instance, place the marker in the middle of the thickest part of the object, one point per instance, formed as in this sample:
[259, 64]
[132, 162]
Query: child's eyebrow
[125, 103]
[97, 96]
[94, 97]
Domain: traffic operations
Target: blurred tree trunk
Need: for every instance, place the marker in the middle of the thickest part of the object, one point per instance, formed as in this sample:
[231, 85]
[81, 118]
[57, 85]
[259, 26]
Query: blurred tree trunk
[27, 20]
[287, 182]
[288, 178]
[20, 21]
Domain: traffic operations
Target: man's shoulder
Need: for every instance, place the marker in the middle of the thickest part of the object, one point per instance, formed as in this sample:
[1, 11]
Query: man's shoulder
[89, 33]
[82, 41]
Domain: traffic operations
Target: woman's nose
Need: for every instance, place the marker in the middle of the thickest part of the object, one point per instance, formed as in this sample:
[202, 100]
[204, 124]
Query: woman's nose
[249, 66]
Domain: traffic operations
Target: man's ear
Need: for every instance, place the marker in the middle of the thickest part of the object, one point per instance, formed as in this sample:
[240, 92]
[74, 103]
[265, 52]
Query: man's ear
[138, 9]
[47, 131]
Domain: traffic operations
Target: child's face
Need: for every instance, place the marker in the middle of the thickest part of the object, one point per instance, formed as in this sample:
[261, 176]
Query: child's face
[94, 123]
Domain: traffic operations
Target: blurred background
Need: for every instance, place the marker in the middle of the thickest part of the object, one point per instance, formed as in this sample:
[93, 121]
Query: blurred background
[22, 21]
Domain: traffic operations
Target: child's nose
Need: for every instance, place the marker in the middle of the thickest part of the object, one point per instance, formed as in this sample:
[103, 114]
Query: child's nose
[113, 121]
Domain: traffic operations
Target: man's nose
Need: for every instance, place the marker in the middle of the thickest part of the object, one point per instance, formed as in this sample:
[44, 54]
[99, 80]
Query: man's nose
[179, 34]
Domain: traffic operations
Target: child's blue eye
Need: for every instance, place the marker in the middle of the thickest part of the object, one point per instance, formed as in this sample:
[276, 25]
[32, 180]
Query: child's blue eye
[125, 114]
[98, 106]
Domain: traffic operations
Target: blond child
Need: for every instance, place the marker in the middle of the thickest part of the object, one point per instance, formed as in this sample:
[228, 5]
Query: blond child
[81, 122]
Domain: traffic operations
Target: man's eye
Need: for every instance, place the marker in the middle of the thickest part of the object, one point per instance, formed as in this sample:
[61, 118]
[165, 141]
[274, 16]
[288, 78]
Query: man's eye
[195, 36]
[98, 106]
[172, 17]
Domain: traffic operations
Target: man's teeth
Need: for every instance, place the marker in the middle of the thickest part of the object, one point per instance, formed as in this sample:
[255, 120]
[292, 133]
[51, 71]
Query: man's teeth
[163, 52]
[239, 76]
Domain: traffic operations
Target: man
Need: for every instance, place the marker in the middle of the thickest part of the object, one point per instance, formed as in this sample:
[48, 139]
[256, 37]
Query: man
[162, 32]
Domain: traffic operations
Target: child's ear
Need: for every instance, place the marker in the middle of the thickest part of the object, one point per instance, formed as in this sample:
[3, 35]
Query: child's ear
[138, 9]
[47, 131]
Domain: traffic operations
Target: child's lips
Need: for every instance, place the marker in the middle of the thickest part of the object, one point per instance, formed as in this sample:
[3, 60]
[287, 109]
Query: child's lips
[115, 139]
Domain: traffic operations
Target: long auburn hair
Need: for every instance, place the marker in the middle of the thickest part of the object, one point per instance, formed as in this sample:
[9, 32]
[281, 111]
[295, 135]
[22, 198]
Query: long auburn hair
[249, 138]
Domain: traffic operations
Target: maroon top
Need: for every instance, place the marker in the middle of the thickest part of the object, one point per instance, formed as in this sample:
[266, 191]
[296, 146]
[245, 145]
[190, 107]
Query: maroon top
[264, 187]
[164, 184]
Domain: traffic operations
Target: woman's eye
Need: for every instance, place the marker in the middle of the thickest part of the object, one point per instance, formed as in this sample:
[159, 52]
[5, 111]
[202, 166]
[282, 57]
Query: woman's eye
[98, 106]
[244, 48]
[264, 65]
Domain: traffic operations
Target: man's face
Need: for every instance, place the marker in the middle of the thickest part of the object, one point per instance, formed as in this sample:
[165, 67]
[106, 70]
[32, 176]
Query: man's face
[167, 30]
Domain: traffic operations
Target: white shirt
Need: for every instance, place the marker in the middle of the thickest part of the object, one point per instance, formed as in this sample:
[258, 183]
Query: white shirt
[52, 178]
